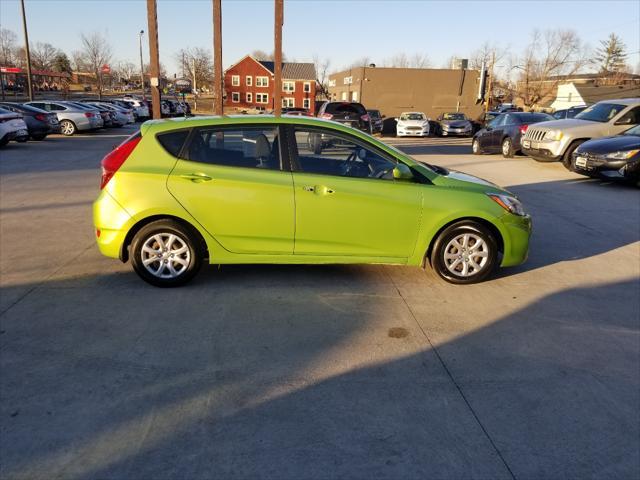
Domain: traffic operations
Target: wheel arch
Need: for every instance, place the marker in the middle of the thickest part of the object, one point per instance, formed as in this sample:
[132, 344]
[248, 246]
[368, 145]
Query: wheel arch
[124, 249]
[485, 223]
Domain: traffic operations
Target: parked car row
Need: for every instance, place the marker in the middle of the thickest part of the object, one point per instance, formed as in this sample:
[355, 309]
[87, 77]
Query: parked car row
[600, 140]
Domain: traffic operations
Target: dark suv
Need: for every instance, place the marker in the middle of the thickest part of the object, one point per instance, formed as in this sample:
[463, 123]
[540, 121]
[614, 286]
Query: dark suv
[349, 113]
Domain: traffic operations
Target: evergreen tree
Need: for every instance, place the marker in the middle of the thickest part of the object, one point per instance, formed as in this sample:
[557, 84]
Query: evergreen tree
[611, 55]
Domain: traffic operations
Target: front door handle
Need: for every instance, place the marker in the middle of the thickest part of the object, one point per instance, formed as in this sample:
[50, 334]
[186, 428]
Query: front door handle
[318, 189]
[196, 177]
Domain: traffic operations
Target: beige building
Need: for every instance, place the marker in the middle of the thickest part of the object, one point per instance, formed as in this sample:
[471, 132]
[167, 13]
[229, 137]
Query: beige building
[395, 90]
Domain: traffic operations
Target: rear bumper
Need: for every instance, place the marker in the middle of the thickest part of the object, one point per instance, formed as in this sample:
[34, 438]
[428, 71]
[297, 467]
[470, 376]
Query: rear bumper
[112, 222]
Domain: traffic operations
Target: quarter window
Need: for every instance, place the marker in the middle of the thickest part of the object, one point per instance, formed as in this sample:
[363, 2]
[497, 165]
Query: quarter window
[327, 153]
[235, 80]
[247, 147]
[173, 141]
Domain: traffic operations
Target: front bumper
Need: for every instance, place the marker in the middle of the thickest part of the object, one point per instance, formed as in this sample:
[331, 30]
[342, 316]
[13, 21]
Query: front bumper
[406, 132]
[456, 132]
[516, 231]
[541, 154]
[599, 165]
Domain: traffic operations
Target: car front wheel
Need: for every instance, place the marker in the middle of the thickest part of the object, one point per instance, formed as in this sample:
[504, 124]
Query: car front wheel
[507, 148]
[166, 254]
[475, 147]
[465, 252]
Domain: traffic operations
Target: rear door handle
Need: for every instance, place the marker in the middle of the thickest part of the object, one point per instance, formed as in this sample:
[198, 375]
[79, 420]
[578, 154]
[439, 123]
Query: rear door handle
[196, 177]
[318, 189]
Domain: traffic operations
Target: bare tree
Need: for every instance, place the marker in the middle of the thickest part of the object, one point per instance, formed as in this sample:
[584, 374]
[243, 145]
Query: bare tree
[419, 60]
[322, 73]
[43, 55]
[399, 60]
[487, 53]
[360, 62]
[78, 61]
[96, 52]
[197, 64]
[548, 60]
[8, 47]
[125, 71]
[262, 55]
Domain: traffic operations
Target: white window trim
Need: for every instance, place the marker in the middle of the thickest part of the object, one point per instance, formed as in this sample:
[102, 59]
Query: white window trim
[288, 82]
[306, 87]
[348, 80]
[262, 81]
[248, 80]
[262, 95]
[285, 102]
[248, 97]
[233, 94]
[306, 103]
[235, 80]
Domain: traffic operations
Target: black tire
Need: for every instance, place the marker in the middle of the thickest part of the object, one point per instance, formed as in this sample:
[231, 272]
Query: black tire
[4, 140]
[507, 148]
[39, 137]
[443, 246]
[475, 147]
[69, 127]
[22, 139]
[566, 158]
[193, 256]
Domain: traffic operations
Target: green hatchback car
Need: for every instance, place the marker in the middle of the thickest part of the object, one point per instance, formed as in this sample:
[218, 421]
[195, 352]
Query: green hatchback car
[295, 190]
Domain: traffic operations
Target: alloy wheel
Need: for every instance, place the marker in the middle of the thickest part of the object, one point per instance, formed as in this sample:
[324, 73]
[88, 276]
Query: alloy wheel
[165, 255]
[466, 255]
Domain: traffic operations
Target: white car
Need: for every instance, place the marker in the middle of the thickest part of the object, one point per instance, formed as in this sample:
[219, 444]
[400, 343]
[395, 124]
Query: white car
[412, 124]
[12, 127]
[140, 109]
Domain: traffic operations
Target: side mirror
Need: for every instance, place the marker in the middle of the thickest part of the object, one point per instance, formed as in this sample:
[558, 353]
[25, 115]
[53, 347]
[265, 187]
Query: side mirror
[402, 172]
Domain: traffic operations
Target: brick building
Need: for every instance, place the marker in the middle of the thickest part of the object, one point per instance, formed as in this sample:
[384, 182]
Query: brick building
[248, 84]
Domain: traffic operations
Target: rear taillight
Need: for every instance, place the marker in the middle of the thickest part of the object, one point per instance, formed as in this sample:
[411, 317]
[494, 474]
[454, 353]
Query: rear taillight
[326, 116]
[41, 116]
[523, 129]
[365, 118]
[88, 114]
[114, 159]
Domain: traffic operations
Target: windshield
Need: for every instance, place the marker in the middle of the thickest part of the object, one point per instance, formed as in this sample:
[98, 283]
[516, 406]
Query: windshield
[412, 116]
[633, 131]
[601, 112]
[454, 116]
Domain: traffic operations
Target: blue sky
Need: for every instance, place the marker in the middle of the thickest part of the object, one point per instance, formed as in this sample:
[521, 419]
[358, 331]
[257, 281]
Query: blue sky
[341, 30]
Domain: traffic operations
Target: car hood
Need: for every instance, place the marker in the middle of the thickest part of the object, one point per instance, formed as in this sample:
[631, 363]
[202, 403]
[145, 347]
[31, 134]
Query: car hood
[611, 144]
[455, 123]
[566, 124]
[455, 179]
[413, 123]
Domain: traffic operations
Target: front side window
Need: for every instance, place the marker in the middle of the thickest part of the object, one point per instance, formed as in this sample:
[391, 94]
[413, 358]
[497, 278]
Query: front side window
[262, 81]
[247, 147]
[632, 117]
[326, 153]
[235, 97]
[601, 112]
[235, 80]
[262, 98]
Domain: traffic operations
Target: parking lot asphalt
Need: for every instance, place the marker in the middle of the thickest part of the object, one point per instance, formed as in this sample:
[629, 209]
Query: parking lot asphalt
[318, 371]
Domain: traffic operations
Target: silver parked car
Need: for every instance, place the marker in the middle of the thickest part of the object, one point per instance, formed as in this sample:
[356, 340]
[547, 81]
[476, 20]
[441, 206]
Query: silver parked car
[73, 118]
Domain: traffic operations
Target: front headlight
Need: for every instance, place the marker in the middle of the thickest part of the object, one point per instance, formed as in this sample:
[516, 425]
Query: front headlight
[623, 155]
[509, 203]
[553, 135]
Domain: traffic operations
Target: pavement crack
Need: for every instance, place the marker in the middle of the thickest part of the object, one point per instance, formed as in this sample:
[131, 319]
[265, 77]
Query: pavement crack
[453, 380]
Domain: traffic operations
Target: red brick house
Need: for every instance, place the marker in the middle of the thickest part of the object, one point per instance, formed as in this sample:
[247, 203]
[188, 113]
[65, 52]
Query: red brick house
[248, 84]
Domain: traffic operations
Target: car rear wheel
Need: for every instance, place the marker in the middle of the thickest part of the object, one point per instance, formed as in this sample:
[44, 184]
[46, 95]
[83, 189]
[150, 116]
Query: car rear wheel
[166, 254]
[475, 147]
[465, 252]
[507, 148]
[67, 127]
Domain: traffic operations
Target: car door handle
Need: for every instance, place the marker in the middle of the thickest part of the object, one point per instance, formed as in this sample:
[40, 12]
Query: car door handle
[196, 177]
[318, 189]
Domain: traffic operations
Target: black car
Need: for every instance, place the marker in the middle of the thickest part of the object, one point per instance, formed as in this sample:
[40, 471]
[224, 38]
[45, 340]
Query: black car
[376, 121]
[611, 157]
[567, 112]
[352, 114]
[40, 123]
[503, 133]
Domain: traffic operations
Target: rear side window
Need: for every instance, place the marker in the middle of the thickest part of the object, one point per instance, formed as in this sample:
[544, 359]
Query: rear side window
[248, 147]
[172, 142]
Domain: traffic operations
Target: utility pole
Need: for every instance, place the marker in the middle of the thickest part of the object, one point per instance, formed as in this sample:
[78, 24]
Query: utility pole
[193, 65]
[154, 57]
[218, 101]
[26, 49]
[493, 61]
[141, 64]
[277, 53]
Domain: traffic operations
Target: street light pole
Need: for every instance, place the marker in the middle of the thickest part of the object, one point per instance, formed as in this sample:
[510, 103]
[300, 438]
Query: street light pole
[26, 48]
[141, 64]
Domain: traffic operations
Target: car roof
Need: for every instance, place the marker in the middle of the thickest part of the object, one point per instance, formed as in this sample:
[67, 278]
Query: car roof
[622, 101]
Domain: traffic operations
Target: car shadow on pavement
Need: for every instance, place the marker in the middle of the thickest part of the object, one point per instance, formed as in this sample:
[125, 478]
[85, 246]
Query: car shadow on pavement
[564, 225]
[292, 373]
